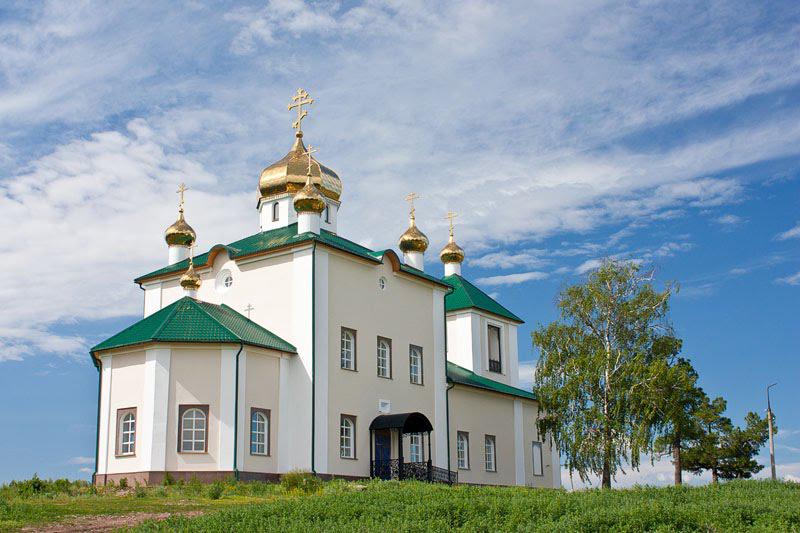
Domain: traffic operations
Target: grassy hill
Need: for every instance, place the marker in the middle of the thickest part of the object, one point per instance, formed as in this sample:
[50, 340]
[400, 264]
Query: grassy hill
[407, 506]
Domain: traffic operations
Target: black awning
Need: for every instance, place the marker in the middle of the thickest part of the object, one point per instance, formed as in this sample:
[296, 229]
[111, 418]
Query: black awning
[407, 422]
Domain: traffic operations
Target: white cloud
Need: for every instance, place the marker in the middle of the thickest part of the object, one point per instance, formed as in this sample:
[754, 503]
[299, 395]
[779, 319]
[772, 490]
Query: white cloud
[793, 279]
[527, 375]
[791, 233]
[588, 265]
[505, 260]
[80, 460]
[729, 220]
[511, 279]
[85, 470]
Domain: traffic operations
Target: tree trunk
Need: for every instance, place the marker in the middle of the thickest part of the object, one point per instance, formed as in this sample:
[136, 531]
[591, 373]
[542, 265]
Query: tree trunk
[714, 475]
[676, 460]
[606, 473]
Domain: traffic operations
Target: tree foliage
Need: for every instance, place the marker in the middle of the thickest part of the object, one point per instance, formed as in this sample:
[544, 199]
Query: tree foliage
[726, 450]
[599, 367]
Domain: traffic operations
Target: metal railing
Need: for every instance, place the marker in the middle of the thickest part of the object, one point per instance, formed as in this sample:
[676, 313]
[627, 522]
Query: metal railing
[422, 471]
[495, 366]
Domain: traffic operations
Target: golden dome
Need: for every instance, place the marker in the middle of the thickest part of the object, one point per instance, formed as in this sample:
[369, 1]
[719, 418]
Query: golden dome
[190, 280]
[309, 199]
[413, 240]
[180, 233]
[452, 253]
[289, 174]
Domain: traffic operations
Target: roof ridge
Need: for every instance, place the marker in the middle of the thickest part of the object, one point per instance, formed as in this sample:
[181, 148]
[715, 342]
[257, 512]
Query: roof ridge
[168, 318]
[226, 328]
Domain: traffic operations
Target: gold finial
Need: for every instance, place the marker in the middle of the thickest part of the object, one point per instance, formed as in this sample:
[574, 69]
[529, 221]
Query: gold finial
[182, 188]
[450, 216]
[299, 99]
[410, 199]
[308, 153]
[190, 280]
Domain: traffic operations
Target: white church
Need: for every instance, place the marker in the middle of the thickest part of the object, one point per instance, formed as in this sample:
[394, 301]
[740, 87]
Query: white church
[297, 349]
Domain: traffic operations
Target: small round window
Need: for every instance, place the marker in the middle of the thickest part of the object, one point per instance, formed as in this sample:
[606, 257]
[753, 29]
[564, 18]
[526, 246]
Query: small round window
[382, 283]
[224, 281]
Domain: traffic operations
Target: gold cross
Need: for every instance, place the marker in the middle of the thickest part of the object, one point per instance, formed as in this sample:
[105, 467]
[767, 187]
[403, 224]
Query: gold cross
[299, 99]
[182, 188]
[310, 150]
[450, 216]
[410, 199]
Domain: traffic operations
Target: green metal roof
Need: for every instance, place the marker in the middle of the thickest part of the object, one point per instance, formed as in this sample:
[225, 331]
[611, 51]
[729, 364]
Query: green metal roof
[458, 374]
[190, 320]
[278, 238]
[465, 295]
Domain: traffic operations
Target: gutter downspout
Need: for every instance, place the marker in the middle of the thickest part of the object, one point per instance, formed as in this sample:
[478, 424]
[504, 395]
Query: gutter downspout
[97, 434]
[313, 353]
[236, 417]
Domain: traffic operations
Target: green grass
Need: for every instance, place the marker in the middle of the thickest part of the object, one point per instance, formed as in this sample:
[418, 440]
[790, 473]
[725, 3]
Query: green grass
[412, 506]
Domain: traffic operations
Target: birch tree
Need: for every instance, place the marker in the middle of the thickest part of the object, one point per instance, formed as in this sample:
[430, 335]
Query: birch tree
[595, 376]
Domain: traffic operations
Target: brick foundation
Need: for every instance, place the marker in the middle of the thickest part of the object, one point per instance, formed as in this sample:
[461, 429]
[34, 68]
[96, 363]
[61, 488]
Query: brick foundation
[157, 478]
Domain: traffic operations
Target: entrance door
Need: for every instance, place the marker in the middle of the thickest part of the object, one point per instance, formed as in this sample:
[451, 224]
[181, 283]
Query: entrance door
[383, 453]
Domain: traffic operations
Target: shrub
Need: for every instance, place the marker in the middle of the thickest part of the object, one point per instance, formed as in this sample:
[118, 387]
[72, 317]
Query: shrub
[168, 480]
[123, 483]
[302, 481]
[215, 490]
[194, 487]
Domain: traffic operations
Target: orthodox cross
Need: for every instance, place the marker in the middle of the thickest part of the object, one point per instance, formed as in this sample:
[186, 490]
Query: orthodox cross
[410, 199]
[182, 188]
[248, 309]
[450, 216]
[299, 99]
[310, 150]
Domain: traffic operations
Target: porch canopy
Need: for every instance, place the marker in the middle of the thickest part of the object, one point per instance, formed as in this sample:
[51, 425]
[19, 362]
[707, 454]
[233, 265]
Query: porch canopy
[405, 422]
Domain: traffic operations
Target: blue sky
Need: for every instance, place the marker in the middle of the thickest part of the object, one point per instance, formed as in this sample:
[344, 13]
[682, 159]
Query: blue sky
[563, 133]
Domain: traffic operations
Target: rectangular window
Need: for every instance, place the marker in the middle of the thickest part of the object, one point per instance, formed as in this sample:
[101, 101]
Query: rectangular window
[495, 364]
[347, 437]
[126, 431]
[490, 454]
[462, 448]
[328, 214]
[347, 356]
[259, 431]
[415, 364]
[537, 458]
[415, 447]
[384, 357]
[193, 428]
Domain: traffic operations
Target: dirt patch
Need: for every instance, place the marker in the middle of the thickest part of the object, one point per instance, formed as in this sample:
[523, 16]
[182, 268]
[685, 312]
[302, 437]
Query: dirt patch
[97, 523]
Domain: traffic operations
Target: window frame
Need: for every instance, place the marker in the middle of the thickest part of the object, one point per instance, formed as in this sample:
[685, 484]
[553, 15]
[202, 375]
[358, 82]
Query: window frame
[122, 413]
[327, 213]
[266, 413]
[377, 356]
[354, 333]
[276, 211]
[411, 445]
[411, 348]
[353, 420]
[486, 439]
[489, 359]
[464, 434]
[541, 458]
[182, 409]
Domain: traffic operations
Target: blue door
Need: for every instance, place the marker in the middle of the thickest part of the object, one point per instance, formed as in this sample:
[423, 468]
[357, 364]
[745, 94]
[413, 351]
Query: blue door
[383, 452]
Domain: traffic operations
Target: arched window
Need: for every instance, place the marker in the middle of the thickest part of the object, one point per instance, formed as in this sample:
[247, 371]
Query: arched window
[384, 358]
[259, 431]
[415, 447]
[348, 349]
[328, 214]
[276, 212]
[462, 446]
[126, 431]
[347, 437]
[194, 432]
[415, 364]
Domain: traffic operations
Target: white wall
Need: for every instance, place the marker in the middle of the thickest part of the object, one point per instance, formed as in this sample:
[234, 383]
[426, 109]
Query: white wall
[468, 344]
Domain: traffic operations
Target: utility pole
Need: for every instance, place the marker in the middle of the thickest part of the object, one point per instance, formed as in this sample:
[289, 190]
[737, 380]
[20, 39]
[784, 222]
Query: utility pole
[771, 443]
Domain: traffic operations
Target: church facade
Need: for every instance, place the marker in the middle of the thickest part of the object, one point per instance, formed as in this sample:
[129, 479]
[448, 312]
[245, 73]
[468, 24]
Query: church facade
[297, 349]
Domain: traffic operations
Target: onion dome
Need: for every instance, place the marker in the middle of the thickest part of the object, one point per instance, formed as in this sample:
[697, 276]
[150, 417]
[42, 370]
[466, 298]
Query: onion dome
[309, 199]
[413, 240]
[452, 253]
[289, 174]
[180, 233]
[190, 280]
